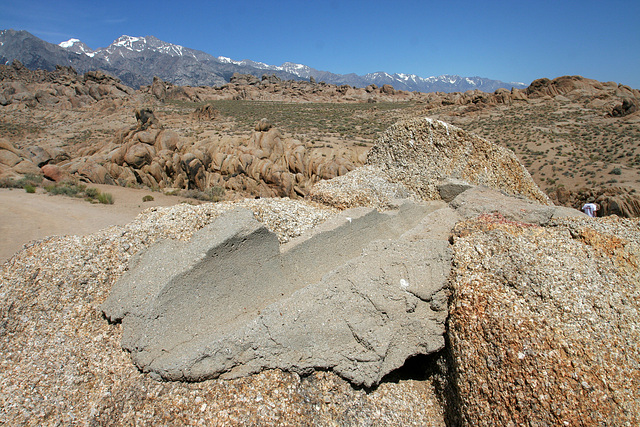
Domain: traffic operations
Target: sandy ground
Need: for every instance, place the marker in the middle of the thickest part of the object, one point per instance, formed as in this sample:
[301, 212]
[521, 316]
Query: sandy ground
[25, 217]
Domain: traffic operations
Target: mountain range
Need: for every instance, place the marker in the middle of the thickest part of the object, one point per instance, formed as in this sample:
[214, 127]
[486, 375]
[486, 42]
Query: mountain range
[136, 60]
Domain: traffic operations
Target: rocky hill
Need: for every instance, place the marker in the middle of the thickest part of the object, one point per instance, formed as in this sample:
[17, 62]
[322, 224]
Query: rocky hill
[272, 88]
[459, 304]
[62, 88]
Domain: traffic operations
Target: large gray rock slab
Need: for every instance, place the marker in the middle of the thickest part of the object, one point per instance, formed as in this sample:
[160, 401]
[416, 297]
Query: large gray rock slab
[357, 298]
[158, 274]
[483, 200]
[449, 188]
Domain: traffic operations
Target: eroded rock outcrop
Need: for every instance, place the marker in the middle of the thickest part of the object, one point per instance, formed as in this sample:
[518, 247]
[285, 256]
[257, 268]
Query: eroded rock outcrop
[421, 152]
[416, 156]
[267, 164]
[612, 99]
[15, 163]
[62, 88]
[272, 88]
[230, 304]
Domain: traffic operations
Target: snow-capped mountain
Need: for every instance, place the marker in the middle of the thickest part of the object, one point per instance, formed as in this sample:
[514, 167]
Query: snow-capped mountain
[136, 60]
[444, 83]
[127, 46]
[76, 46]
[299, 70]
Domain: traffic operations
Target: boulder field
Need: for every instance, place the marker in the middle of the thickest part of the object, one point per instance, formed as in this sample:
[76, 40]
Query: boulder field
[265, 164]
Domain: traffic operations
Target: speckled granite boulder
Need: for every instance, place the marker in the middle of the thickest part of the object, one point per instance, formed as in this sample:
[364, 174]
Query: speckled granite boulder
[422, 152]
[544, 322]
[364, 186]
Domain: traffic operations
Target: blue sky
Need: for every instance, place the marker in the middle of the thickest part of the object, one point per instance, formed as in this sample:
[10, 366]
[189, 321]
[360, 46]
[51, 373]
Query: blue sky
[504, 40]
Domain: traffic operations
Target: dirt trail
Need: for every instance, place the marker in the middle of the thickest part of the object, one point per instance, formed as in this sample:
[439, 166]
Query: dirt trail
[26, 217]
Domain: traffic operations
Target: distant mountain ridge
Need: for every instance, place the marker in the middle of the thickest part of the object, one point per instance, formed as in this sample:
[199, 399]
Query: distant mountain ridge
[136, 60]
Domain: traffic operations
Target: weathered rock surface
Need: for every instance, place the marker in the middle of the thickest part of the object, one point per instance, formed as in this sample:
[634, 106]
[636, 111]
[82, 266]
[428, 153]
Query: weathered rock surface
[63, 363]
[365, 186]
[420, 153]
[230, 304]
[15, 163]
[482, 200]
[451, 187]
[544, 322]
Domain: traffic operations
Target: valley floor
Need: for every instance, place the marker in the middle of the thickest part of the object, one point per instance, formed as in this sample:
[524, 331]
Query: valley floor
[28, 217]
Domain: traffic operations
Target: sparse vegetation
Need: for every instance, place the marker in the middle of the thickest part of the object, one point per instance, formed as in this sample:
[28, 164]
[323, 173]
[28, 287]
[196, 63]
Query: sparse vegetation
[79, 190]
[213, 194]
[70, 189]
[105, 198]
[8, 183]
[18, 130]
[147, 198]
[92, 193]
[348, 120]
[566, 141]
[28, 182]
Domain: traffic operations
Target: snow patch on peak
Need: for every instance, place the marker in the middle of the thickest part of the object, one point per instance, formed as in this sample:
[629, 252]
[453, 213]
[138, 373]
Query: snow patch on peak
[294, 66]
[69, 43]
[137, 44]
[299, 70]
[126, 41]
[77, 47]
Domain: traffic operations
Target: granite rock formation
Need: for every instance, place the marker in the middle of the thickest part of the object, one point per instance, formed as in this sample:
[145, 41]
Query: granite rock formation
[421, 152]
[543, 324]
[62, 88]
[272, 88]
[265, 165]
[16, 163]
[415, 157]
[611, 98]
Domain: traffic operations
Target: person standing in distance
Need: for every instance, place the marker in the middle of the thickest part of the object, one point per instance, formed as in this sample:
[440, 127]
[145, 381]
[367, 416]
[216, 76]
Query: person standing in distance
[590, 208]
